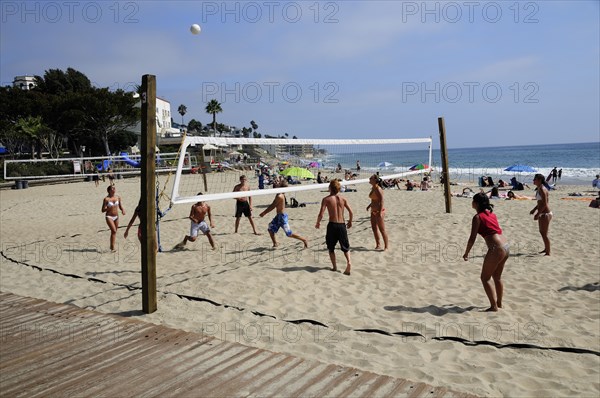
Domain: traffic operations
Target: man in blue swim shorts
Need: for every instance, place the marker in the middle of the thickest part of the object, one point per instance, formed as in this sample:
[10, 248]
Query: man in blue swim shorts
[281, 219]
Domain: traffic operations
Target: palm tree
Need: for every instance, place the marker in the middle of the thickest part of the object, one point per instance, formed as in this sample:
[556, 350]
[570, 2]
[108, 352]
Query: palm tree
[182, 111]
[213, 107]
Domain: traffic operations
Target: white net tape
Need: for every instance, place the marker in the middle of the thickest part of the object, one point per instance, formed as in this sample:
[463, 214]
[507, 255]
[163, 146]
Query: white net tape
[225, 159]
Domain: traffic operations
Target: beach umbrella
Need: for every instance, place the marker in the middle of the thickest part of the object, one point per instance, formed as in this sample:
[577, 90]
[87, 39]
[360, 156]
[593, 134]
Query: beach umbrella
[419, 166]
[297, 172]
[384, 164]
[315, 164]
[520, 168]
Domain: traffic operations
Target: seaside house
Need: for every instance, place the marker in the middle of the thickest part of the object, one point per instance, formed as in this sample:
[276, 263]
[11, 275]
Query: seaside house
[165, 132]
[25, 82]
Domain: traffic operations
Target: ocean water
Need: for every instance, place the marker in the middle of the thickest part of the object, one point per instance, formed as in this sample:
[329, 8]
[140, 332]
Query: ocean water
[579, 162]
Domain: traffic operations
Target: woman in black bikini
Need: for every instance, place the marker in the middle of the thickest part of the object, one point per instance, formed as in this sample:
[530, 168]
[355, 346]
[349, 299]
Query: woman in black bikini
[111, 205]
[544, 215]
[377, 212]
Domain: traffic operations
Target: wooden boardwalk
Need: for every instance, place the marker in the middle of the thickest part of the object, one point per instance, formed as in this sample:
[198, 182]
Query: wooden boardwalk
[49, 349]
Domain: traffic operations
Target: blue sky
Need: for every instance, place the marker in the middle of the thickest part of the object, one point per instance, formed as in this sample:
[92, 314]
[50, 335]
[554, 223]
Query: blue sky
[501, 73]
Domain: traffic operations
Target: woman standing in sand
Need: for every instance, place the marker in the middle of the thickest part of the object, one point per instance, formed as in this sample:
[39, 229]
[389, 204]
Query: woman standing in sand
[377, 212]
[544, 215]
[111, 205]
[486, 224]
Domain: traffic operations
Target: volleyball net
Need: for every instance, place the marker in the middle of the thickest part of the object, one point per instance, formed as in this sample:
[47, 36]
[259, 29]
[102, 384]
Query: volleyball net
[307, 164]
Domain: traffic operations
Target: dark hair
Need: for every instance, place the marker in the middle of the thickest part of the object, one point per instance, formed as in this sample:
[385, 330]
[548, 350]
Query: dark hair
[482, 202]
[539, 176]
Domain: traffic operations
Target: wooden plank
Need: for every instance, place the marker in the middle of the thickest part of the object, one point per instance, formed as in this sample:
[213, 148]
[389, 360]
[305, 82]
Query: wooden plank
[221, 369]
[339, 377]
[125, 371]
[131, 358]
[252, 369]
[379, 384]
[193, 368]
[364, 379]
[77, 361]
[278, 371]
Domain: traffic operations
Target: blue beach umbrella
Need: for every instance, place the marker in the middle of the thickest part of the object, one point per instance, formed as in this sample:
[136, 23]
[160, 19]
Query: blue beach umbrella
[520, 168]
[384, 164]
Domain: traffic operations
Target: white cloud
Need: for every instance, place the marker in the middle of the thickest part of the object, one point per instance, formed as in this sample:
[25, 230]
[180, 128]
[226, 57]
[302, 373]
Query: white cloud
[503, 70]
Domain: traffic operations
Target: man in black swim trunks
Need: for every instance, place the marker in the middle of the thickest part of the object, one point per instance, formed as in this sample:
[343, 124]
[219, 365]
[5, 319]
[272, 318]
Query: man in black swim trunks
[243, 205]
[336, 228]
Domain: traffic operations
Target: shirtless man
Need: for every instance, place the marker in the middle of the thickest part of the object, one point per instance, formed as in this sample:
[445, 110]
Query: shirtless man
[243, 205]
[281, 218]
[197, 216]
[336, 228]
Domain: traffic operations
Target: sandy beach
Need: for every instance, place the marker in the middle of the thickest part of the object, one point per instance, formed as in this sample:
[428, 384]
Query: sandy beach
[415, 311]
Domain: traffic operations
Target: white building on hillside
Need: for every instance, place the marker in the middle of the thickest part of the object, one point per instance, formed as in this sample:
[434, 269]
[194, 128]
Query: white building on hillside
[163, 120]
[25, 82]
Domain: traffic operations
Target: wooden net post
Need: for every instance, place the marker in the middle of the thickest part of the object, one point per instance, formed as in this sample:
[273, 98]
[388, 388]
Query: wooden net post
[148, 192]
[203, 168]
[445, 173]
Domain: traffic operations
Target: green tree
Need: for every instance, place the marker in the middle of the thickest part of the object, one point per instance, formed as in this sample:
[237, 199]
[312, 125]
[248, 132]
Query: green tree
[17, 105]
[182, 109]
[57, 82]
[194, 126]
[213, 107]
[108, 113]
[69, 117]
[33, 130]
[10, 138]
[66, 102]
[86, 115]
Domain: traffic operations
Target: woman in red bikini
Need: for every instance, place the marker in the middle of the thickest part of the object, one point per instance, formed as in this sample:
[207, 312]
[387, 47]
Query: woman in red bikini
[377, 212]
[544, 215]
[486, 224]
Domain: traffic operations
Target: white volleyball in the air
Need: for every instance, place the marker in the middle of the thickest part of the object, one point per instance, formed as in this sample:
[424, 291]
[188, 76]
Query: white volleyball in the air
[195, 29]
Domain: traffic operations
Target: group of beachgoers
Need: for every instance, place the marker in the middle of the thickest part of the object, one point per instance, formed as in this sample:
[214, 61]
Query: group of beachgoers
[483, 223]
[334, 203]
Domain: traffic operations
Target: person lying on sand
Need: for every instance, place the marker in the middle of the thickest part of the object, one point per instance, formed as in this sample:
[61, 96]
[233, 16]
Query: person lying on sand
[510, 195]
